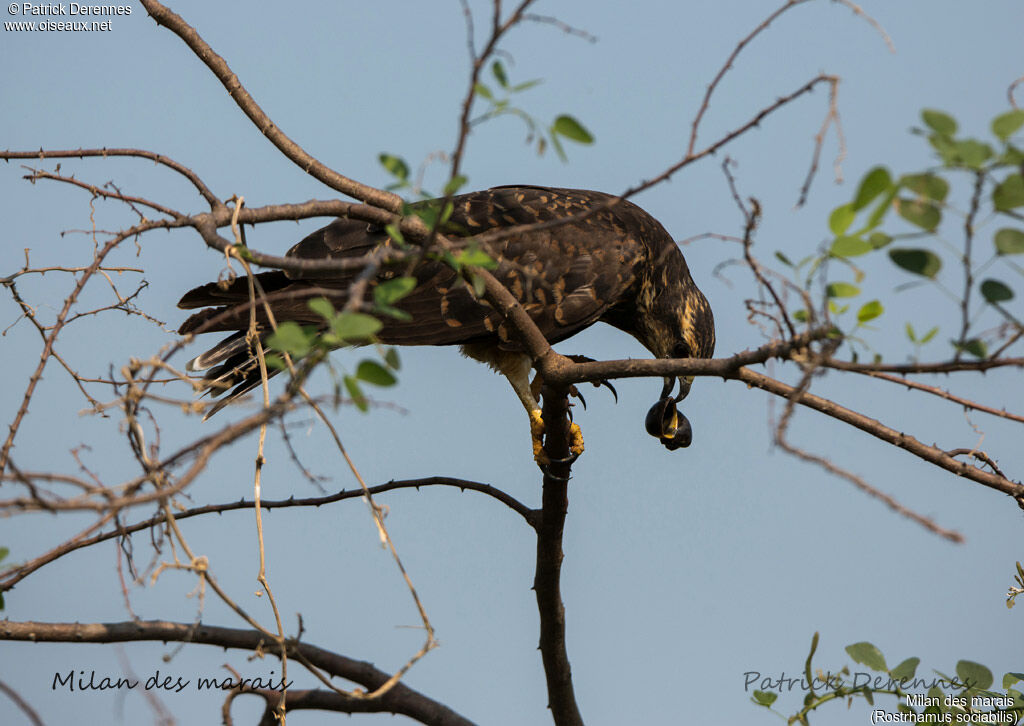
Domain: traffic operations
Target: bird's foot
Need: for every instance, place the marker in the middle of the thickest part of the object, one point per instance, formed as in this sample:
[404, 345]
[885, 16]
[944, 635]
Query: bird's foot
[537, 433]
[596, 384]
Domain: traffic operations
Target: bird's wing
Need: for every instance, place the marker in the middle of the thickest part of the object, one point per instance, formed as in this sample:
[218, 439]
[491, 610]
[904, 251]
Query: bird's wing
[566, 276]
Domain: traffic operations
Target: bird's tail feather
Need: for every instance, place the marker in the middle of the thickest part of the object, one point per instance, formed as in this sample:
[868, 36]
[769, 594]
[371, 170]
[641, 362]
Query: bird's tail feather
[231, 369]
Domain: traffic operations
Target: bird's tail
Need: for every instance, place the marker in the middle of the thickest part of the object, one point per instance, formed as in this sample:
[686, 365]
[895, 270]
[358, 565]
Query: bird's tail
[231, 368]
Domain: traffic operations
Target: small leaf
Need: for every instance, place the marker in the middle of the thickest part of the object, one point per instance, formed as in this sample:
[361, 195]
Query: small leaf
[800, 316]
[475, 257]
[762, 698]
[930, 334]
[918, 261]
[975, 675]
[1010, 678]
[926, 185]
[525, 85]
[1006, 124]
[878, 240]
[290, 338]
[499, 74]
[275, 361]
[390, 292]
[481, 90]
[454, 184]
[395, 233]
[995, 292]
[395, 165]
[841, 219]
[4, 551]
[783, 259]
[356, 393]
[373, 372]
[971, 153]
[392, 359]
[322, 307]
[849, 246]
[938, 121]
[974, 346]
[923, 214]
[1009, 241]
[868, 655]
[874, 183]
[1009, 193]
[910, 333]
[869, 311]
[355, 326]
[906, 669]
[842, 289]
[572, 129]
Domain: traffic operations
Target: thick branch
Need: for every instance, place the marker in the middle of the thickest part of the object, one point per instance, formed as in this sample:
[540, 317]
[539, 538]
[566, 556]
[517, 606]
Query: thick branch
[561, 698]
[399, 699]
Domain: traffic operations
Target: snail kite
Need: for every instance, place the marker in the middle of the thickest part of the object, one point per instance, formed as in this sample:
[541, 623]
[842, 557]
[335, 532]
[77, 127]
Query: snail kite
[617, 265]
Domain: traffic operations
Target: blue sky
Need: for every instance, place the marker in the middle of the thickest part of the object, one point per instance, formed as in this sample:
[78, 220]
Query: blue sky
[684, 570]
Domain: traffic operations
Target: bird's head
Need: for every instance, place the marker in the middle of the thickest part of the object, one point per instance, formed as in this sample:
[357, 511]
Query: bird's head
[680, 325]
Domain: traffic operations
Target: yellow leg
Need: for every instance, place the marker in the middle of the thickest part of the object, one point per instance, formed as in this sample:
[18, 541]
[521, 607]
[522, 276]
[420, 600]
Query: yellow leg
[537, 432]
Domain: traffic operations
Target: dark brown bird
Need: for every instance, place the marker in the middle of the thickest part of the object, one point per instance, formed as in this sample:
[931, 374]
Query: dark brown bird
[618, 266]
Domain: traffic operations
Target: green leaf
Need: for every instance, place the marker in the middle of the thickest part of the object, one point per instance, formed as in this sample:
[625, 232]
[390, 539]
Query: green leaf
[878, 240]
[923, 214]
[869, 311]
[290, 338]
[868, 655]
[783, 259]
[499, 74]
[800, 316]
[392, 359]
[842, 289]
[481, 90]
[874, 183]
[929, 335]
[849, 246]
[881, 209]
[525, 85]
[275, 361]
[975, 674]
[373, 372]
[1010, 678]
[1006, 124]
[475, 257]
[939, 122]
[971, 153]
[974, 346]
[910, 333]
[572, 129]
[918, 261]
[322, 307]
[454, 184]
[906, 669]
[395, 165]
[390, 292]
[1009, 193]
[395, 233]
[841, 219]
[995, 292]
[926, 185]
[1009, 241]
[762, 698]
[4, 551]
[352, 385]
[355, 326]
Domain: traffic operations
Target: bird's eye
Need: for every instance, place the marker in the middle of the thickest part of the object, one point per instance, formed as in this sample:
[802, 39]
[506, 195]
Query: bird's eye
[682, 350]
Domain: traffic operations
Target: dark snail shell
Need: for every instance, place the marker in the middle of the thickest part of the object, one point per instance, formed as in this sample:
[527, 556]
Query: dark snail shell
[665, 423]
